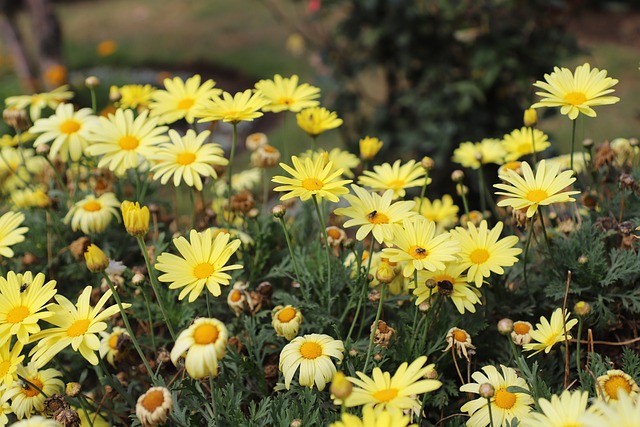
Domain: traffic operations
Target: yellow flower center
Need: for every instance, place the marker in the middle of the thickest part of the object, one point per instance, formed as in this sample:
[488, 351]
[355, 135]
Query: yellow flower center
[478, 256]
[17, 314]
[285, 101]
[286, 314]
[113, 341]
[186, 103]
[614, 384]
[235, 296]
[129, 142]
[79, 327]
[32, 391]
[312, 184]
[269, 149]
[418, 252]
[504, 399]
[334, 233]
[91, 206]
[153, 400]
[521, 328]
[203, 270]
[537, 196]
[311, 350]
[460, 335]
[206, 334]
[396, 184]
[575, 98]
[377, 218]
[385, 395]
[4, 368]
[186, 158]
[69, 126]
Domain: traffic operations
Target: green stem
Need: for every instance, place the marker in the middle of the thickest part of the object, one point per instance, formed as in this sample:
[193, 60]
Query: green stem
[148, 304]
[424, 189]
[464, 199]
[573, 141]
[293, 258]
[155, 285]
[32, 385]
[127, 325]
[533, 144]
[94, 104]
[326, 246]
[483, 203]
[526, 252]
[544, 229]
[490, 412]
[58, 177]
[365, 285]
[375, 326]
[231, 156]
[83, 406]
[314, 139]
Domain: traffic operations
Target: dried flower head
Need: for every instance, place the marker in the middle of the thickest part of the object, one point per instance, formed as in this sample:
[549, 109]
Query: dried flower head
[460, 340]
[383, 334]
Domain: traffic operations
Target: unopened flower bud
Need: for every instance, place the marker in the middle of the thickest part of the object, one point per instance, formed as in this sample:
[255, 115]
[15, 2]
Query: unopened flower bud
[583, 259]
[296, 422]
[43, 149]
[486, 390]
[427, 163]
[96, 260]
[135, 218]
[530, 117]
[505, 326]
[114, 94]
[385, 273]
[369, 147]
[73, 389]
[92, 81]
[457, 176]
[462, 190]
[582, 308]
[17, 118]
[430, 283]
[137, 279]
[340, 386]
[279, 211]
[587, 143]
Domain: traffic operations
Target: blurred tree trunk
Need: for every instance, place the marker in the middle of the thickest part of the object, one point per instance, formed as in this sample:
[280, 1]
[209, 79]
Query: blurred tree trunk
[49, 43]
[11, 35]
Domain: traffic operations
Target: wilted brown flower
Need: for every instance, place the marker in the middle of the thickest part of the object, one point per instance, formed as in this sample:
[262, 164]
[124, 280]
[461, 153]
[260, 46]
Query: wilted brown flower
[383, 334]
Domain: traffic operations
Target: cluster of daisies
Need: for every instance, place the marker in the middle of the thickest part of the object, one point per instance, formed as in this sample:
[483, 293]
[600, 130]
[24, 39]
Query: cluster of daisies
[418, 250]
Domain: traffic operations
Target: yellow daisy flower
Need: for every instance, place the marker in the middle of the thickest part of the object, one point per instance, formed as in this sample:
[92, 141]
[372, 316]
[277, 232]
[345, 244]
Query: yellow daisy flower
[395, 394]
[109, 344]
[369, 147]
[23, 298]
[18, 167]
[68, 129]
[187, 158]
[547, 334]
[317, 120]
[135, 96]
[203, 262]
[529, 191]
[340, 159]
[374, 214]
[475, 154]
[30, 198]
[17, 139]
[243, 106]
[10, 359]
[567, 410]
[125, 142]
[619, 414]
[576, 93]
[285, 94]
[312, 354]
[371, 418]
[25, 398]
[75, 326]
[394, 177]
[521, 142]
[286, 321]
[93, 215]
[311, 178]
[441, 211]
[613, 383]
[418, 244]
[10, 232]
[563, 161]
[204, 343]
[181, 99]
[39, 101]
[482, 252]
[505, 405]
[450, 282]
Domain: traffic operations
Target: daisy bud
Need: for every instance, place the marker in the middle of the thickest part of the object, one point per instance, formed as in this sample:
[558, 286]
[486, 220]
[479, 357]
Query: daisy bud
[256, 140]
[73, 389]
[530, 117]
[369, 147]
[296, 422]
[374, 295]
[462, 189]
[16, 118]
[138, 279]
[340, 386]
[114, 94]
[154, 406]
[286, 321]
[96, 260]
[385, 273]
[587, 143]
[486, 390]
[43, 149]
[136, 219]
[430, 283]
[582, 308]
[425, 306]
[279, 211]
[457, 176]
[583, 259]
[92, 82]
[427, 163]
[505, 326]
